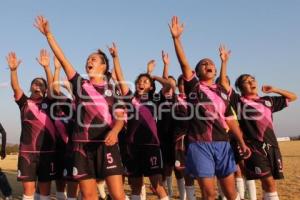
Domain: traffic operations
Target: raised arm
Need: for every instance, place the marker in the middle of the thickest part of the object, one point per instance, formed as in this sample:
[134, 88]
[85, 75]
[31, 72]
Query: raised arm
[166, 61]
[176, 30]
[150, 66]
[42, 25]
[118, 70]
[44, 61]
[290, 96]
[3, 144]
[13, 63]
[56, 82]
[224, 55]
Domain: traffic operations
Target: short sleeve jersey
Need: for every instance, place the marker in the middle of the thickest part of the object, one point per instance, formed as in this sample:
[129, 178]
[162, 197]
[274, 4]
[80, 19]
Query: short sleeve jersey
[171, 121]
[141, 124]
[209, 107]
[38, 133]
[95, 108]
[255, 116]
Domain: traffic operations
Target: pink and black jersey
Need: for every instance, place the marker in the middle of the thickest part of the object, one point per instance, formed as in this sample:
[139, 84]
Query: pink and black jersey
[141, 124]
[208, 106]
[95, 105]
[38, 134]
[255, 116]
[172, 118]
[63, 117]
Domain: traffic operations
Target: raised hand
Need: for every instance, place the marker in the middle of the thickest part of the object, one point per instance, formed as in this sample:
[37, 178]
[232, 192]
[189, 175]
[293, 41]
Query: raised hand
[113, 50]
[150, 66]
[41, 23]
[12, 61]
[165, 58]
[267, 89]
[224, 53]
[44, 58]
[176, 28]
[57, 64]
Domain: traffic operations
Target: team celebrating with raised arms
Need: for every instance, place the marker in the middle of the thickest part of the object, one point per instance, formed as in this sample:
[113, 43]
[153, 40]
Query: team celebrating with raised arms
[94, 130]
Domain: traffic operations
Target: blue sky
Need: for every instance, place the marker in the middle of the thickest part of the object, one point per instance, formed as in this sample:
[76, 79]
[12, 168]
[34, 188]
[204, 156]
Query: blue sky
[263, 37]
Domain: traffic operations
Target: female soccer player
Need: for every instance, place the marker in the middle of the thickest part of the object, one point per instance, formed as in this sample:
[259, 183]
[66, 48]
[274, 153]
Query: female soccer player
[209, 153]
[256, 121]
[99, 120]
[37, 141]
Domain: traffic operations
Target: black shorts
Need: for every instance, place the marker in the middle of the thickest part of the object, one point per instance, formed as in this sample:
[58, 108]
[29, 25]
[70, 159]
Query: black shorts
[96, 161]
[265, 161]
[168, 154]
[144, 160]
[68, 163]
[36, 166]
[60, 159]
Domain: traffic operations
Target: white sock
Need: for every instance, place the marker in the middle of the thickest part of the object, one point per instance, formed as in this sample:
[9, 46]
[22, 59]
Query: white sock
[143, 192]
[165, 198]
[27, 197]
[101, 189]
[240, 187]
[190, 192]
[61, 196]
[181, 189]
[169, 184]
[42, 197]
[271, 196]
[135, 197]
[69, 198]
[36, 196]
[251, 187]
[127, 198]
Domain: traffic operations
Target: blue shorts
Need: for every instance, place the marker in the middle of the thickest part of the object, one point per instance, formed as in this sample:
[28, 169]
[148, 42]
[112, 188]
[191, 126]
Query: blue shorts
[209, 159]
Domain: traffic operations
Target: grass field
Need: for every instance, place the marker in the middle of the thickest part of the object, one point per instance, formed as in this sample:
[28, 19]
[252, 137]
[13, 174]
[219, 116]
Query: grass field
[288, 189]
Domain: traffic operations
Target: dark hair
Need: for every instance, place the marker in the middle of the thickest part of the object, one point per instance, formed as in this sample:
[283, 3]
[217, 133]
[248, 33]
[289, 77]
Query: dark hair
[172, 77]
[151, 92]
[104, 60]
[39, 78]
[239, 82]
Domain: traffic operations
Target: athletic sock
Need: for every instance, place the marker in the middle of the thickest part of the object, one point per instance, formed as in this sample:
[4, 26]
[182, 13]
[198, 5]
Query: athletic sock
[181, 189]
[43, 197]
[250, 184]
[143, 192]
[190, 192]
[36, 196]
[69, 198]
[165, 198]
[240, 187]
[101, 189]
[271, 196]
[61, 196]
[169, 185]
[25, 197]
[135, 197]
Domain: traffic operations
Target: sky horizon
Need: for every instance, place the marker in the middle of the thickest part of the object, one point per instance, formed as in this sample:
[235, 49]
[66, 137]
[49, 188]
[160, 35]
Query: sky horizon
[263, 38]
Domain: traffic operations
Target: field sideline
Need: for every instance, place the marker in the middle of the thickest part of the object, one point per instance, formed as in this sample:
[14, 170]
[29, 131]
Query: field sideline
[288, 189]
